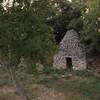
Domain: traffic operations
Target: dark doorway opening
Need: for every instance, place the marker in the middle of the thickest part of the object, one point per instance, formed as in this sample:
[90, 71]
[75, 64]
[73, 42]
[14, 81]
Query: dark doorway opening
[69, 63]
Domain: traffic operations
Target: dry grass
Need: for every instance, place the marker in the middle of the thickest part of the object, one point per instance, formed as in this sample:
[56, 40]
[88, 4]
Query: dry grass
[8, 93]
[75, 86]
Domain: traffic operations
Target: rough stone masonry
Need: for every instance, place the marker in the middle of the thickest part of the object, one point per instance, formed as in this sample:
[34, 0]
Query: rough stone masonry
[71, 52]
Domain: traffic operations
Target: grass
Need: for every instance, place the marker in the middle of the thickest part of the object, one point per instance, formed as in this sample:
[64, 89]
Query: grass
[82, 85]
[71, 85]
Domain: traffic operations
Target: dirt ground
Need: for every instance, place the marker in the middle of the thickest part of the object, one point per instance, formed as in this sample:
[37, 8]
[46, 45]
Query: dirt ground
[41, 93]
[8, 93]
[80, 86]
[52, 91]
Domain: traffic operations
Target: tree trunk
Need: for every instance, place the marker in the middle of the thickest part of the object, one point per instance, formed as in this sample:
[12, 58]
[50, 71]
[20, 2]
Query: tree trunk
[19, 88]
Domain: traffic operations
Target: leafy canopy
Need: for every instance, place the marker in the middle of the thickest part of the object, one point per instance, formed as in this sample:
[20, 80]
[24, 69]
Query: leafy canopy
[91, 29]
[68, 16]
[24, 32]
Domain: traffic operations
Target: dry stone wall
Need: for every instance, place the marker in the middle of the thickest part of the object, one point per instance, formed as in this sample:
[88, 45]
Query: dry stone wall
[70, 46]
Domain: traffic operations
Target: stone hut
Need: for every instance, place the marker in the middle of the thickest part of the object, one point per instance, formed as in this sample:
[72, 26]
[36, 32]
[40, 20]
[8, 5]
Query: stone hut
[70, 53]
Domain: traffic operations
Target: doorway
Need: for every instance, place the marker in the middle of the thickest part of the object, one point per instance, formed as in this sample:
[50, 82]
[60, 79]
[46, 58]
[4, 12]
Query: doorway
[69, 62]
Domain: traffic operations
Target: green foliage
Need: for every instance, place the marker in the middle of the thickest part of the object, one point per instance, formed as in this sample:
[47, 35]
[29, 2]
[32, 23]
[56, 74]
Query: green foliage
[91, 29]
[68, 16]
[82, 16]
[24, 32]
[32, 69]
[84, 73]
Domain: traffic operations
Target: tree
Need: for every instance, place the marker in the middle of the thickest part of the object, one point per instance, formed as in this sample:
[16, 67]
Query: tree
[24, 33]
[68, 16]
[91, 29]
[80, 15]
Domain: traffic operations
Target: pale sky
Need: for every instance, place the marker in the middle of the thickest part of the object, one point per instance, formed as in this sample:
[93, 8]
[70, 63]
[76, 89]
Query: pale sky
[10, 2]
[70, 0]
[7, 1]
